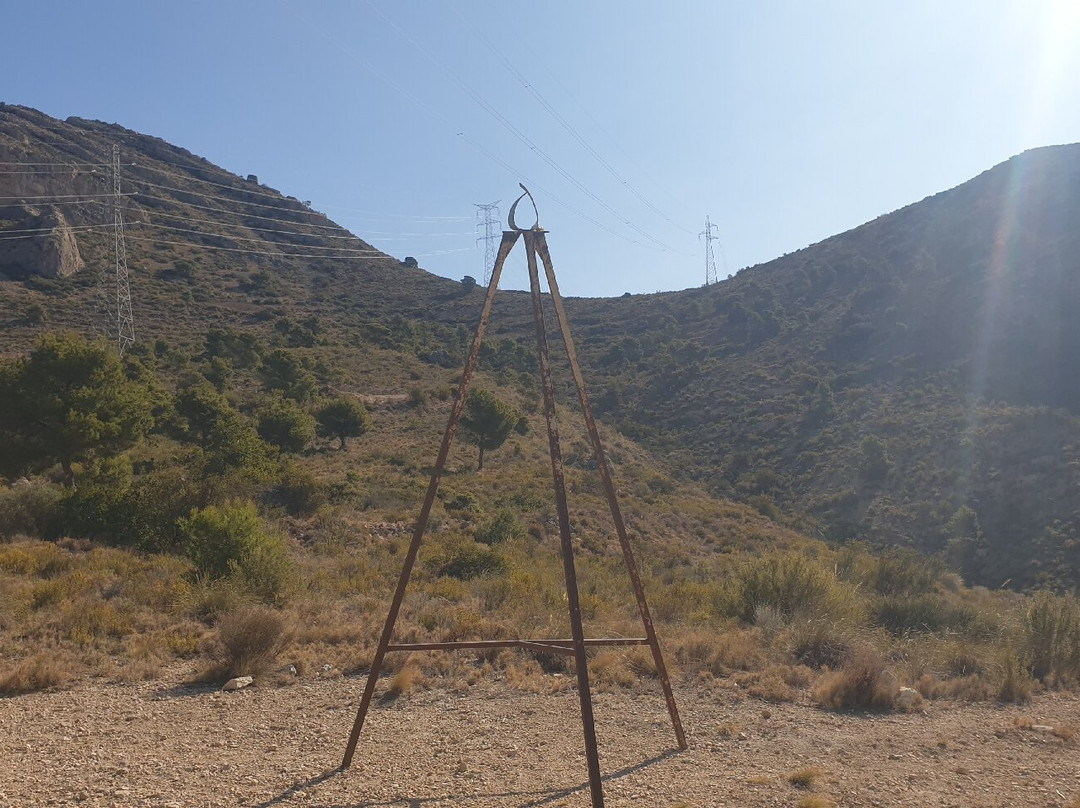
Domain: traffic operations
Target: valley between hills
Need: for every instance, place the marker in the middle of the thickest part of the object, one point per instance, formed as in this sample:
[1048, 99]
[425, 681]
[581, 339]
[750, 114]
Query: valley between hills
[849, 477]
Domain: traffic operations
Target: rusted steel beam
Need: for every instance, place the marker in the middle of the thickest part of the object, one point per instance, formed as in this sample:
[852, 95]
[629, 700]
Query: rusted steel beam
[592, 755]
[559, 646]
[451, 646]
[509, 238]
[539, 242]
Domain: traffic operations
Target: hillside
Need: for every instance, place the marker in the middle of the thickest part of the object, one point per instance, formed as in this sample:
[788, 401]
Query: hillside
[909, 382]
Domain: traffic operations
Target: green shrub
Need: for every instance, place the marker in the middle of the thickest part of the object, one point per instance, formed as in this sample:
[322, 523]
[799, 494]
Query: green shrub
[470, 560]
[141, 514]
[463, 502]
[283, 423]
[786, 581]
[231, 541]
[1016, 683]
[1052, 633]
[233, 444]
[820, 642]
[31, 510]
[923, 613]
[500, 528]
[905, 572]
[298, 491]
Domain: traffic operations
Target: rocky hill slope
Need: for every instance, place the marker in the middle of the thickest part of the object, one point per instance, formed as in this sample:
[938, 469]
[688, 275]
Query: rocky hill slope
[911, 381]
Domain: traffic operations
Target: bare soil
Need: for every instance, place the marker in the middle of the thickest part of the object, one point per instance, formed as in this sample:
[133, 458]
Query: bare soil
[167, 744]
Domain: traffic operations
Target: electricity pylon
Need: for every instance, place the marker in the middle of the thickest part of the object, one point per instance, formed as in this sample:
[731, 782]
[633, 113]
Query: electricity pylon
[710, 261]
[118, 308]
[491, 236]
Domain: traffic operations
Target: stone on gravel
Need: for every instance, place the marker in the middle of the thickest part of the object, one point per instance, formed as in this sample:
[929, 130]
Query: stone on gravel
[238, 682]
[908, 699]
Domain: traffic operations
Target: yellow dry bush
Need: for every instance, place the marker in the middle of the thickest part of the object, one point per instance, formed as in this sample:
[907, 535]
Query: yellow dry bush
[42, 671]
[863, 683]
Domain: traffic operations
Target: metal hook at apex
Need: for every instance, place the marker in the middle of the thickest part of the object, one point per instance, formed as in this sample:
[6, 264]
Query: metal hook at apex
[513, 208]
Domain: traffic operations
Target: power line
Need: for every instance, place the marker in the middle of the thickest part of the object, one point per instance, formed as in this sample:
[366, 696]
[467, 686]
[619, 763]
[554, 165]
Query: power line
[289, 255]
[404, 92]
[37, 231]
[384, 214]
[64, 165]
[283, 200]
[247, 215]
[45, 197]
[349, 237]
[516, 132]
[262, 240]
[537, 187]
[247, 252]
[568, 126]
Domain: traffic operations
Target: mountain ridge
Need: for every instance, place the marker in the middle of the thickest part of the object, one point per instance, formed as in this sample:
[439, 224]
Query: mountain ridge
[879, 384]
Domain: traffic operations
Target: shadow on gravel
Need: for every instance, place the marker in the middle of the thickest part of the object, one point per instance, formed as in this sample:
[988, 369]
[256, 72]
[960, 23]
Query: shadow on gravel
[531, 799]
[187, 690]
[299, 788]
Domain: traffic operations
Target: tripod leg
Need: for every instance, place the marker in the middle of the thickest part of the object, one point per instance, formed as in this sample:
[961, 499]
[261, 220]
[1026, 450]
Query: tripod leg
[508, 241]
[577, 632]
[609, 489]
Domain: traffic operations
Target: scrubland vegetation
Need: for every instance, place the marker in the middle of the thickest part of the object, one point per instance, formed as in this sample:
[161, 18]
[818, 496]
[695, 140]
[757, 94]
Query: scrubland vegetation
[231, 508]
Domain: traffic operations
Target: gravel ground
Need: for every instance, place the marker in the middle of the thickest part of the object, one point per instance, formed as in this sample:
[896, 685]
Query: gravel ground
[164, 744]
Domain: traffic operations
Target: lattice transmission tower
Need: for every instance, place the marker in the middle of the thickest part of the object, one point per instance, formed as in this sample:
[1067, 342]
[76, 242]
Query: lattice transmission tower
[492, 234]
[118, 309]
[710, 259]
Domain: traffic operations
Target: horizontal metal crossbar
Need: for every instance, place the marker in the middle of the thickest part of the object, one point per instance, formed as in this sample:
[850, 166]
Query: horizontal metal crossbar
[552, 646]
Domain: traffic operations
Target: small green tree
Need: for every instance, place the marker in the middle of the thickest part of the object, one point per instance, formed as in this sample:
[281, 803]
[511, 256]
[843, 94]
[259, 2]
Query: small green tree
[67, 402]
[283, 371]
[201, 407]
[283, 423]
[874, 461]
[342, 418]
[488, 421]
[233, 443]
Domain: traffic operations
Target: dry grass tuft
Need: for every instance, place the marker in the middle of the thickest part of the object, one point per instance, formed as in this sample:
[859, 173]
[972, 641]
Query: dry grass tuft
[1066, 734]
[814, 801]
[405, 680]
[805, 777]
[961, 688]
[863, 683]
[610, 668]
[39, 672]
[768, 685]
[1016, 683]
[251, 639]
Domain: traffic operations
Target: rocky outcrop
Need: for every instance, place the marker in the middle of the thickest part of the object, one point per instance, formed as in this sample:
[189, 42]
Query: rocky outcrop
[49, 250]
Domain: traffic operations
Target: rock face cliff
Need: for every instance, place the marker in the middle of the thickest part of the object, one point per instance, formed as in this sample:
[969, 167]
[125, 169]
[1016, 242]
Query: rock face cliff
[44, 245]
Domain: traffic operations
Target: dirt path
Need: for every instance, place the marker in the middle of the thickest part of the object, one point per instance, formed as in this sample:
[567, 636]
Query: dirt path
[161, 745]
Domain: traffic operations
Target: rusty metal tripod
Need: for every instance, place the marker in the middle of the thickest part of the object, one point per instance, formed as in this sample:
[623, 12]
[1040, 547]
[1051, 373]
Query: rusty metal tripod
[535, 244]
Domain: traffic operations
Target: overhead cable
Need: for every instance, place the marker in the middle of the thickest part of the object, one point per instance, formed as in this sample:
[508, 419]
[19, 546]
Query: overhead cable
[516, 132]
[259, 240]
[568, 126]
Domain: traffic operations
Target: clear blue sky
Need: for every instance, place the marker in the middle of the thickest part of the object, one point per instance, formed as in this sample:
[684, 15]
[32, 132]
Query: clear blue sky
[785, 122]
